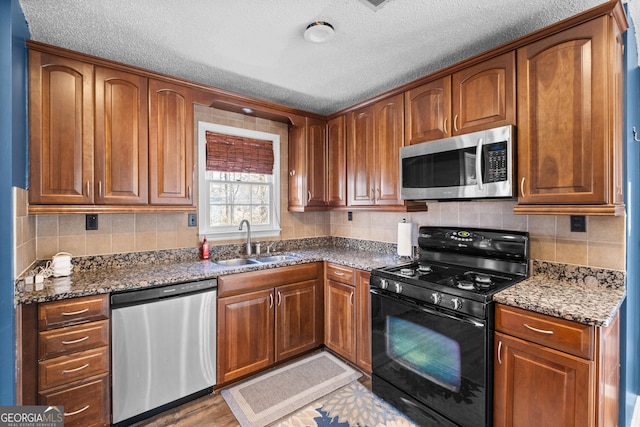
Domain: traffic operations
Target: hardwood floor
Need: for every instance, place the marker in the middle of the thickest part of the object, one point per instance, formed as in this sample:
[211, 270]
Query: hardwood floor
[210, 410]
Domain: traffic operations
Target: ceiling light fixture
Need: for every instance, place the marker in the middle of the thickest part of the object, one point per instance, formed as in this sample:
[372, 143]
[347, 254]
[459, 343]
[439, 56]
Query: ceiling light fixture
[319, 32]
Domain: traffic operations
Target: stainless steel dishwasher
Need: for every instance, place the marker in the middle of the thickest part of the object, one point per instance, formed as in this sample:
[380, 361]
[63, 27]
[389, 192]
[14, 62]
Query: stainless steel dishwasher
[163, 348]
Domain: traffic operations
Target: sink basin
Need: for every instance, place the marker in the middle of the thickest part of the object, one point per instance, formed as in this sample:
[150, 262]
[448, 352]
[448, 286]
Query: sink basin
[276, 258]
[236, 261]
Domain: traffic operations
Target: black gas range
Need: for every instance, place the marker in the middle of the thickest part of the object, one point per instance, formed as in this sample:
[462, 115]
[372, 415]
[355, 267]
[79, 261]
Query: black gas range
[432, 321]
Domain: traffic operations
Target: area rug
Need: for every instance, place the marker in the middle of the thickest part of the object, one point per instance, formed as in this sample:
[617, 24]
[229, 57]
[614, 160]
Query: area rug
[351, 406]
[275, 394]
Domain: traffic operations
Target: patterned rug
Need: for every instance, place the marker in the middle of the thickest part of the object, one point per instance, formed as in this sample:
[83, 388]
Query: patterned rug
[351, 406]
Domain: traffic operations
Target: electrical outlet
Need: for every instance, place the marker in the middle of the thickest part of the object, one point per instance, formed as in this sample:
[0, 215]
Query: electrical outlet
[91, 222]
[349, 216]
[578, 223]
[192, 220]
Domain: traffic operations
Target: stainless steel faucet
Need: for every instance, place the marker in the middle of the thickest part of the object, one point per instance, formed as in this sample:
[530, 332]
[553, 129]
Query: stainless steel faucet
[248, 234]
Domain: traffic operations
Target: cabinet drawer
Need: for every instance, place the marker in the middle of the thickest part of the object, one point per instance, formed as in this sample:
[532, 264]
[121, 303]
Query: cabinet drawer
[563, 335]
[72, 311]
[66, 369]
[341, 273]
[72, 339]
[85, 404]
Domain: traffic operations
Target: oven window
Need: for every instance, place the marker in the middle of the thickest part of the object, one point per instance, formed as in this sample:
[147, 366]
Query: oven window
[425, 352]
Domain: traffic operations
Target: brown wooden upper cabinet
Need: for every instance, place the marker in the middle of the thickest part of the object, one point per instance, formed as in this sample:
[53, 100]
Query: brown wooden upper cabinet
[478, 97]
[570, 121]
[170, 143]
[60, 129]
[307, 166]
[336, 162]
[375, 134]
[94, 141]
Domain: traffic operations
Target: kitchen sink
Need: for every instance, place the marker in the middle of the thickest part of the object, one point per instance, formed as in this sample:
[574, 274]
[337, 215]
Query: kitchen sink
[276, 258]
[236, 262]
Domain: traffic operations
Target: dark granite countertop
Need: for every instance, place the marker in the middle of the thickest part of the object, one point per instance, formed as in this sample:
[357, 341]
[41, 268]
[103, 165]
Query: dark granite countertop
[115, 278]
[582, 294]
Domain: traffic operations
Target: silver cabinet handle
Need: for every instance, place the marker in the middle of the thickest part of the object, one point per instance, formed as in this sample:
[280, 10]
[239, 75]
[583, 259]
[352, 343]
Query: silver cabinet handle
[76, 341]
[73, 313]
[479, 164]
[279, 298]
[68, 371]
[455, 123]
[499, 351]
[68, 414]
[99, 188]
[338, 273]
[522, 187]
[88, 190]
[351, 298]
[542, 331]
[308, 196]
[445, 126]
[270, 300]
[189, 191]
[292, 172]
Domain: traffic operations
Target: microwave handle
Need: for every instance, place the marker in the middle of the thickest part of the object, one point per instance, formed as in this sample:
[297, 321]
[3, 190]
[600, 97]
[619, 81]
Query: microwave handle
[479, 165]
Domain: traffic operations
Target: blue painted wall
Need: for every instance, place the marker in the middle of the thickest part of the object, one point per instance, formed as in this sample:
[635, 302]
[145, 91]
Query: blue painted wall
[13, 171]
[630, 332]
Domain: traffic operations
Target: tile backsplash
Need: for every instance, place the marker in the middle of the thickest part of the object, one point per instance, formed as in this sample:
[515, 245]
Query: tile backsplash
[42, 236]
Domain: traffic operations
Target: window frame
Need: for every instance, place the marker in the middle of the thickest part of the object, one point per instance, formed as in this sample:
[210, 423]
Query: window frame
[257, 231]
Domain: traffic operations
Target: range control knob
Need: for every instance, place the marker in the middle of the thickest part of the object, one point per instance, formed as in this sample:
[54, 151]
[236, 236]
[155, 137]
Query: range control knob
[398, 288]
[384, 284]
[436, 298]
[456, 303]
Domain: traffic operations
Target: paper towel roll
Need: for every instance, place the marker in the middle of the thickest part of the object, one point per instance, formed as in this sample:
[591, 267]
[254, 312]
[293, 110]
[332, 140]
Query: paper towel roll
[405, 238]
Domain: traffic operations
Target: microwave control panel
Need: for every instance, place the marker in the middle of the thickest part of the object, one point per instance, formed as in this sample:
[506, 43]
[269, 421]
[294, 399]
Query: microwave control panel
[495, 161]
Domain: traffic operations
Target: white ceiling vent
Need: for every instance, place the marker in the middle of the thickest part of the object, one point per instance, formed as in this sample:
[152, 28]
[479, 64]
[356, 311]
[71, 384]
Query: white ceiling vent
[375, 4]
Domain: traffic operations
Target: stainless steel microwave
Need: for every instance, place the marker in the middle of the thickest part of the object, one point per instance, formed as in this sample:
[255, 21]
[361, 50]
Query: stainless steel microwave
[471, 166]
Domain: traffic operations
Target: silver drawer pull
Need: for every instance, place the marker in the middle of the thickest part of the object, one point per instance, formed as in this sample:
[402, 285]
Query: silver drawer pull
[68, 414]
[76, 341]
[542, 331]
[69, 371]
[73, 313]
[338, 273]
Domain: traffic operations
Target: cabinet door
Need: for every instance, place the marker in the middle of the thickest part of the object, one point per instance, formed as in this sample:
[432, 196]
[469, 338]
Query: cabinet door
[298, 321]
[170, 144]
[340, 315]
[360, 158]
[484, 95]
[537, 386]
[363, 350]
[336, 163]
[389, 138]
[563, 117]
[121, 138]
[428, 109]
[316, 162]
[245, 334]
[60, 130]
[297, 168]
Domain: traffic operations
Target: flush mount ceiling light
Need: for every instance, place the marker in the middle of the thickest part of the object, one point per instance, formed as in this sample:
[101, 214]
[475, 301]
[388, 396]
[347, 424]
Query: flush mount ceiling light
[319, 32]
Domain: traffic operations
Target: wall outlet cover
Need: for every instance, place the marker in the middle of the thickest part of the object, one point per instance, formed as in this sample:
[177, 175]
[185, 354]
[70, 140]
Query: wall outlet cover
[578, 223]
[91, 222]
[192, 220]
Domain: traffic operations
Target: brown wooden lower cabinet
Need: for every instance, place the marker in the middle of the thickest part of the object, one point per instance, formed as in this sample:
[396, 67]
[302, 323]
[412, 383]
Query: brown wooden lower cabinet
[267, 316]
[73, 359]
[554, 372]
[348, 314]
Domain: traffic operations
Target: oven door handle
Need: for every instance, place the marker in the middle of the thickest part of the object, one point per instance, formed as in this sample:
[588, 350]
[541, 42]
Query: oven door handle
[428, 310]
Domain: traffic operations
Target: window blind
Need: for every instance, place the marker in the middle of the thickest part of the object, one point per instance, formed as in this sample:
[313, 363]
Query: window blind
[228, 153]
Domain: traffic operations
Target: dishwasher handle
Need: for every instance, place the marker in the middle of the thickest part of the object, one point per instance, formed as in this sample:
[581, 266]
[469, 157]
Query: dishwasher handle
[141, 296]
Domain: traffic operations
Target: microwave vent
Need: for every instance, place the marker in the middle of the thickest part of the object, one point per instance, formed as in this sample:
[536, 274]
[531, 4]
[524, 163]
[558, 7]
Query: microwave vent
[375, 4]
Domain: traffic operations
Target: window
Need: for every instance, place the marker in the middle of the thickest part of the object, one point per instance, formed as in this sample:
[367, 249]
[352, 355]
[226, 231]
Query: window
[231, 188]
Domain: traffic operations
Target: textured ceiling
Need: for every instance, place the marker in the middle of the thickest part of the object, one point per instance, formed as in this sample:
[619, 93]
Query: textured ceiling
[256, 47]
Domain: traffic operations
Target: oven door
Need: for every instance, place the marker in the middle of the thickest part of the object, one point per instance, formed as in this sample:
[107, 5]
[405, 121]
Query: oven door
[437, 359]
